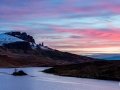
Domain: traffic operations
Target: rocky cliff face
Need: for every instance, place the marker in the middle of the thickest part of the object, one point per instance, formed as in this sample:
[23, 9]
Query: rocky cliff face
[22, 35]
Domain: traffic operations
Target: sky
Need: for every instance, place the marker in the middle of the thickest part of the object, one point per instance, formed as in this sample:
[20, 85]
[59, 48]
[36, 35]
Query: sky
[76, 26]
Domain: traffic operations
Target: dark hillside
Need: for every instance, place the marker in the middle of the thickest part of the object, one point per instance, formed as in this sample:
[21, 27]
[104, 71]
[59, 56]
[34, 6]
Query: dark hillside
[28, 53]
[108, 70]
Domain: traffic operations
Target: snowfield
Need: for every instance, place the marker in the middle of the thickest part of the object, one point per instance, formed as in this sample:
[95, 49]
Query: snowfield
[4, 38]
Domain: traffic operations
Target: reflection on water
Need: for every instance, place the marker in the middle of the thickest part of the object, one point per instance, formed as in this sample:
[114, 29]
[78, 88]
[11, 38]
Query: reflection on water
[41, 81]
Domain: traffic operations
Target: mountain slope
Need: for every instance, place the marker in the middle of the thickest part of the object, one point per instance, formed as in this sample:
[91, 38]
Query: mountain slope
[22, 48]
[41, 58]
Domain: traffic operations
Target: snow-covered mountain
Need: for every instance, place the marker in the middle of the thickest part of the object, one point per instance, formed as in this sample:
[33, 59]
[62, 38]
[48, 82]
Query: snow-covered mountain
[106, 56]
[21, 49]
[12, 37]
[5, 39]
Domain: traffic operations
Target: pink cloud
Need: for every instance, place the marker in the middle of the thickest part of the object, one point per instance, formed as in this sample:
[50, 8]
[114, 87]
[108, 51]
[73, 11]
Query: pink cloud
[42, 8]
[113, 8]
[111, 34]
[31, 11]
[39, 8]
[93, 10]
[91, 38]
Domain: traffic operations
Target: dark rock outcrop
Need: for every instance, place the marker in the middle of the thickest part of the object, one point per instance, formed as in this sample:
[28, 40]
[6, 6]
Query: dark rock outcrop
[19, 73]
[22, 35]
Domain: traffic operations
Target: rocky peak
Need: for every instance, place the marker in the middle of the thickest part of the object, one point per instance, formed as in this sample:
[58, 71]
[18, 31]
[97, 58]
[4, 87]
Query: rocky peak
[22, 35]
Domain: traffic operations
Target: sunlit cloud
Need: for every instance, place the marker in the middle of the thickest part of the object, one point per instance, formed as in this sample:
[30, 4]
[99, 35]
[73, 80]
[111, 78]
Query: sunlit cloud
[77, 26]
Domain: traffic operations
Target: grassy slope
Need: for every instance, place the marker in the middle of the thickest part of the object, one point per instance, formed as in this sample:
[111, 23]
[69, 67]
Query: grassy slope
[18, 58]
[108, 70]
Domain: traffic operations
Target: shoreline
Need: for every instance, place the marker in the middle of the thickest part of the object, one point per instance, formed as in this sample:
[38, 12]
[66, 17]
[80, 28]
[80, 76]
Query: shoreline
[104, 71]
[51, 71]
[81, 77]
[101, 70]
[85, 77]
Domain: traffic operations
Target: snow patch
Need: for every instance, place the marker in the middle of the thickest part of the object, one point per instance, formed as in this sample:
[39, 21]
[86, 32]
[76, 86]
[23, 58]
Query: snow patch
[45, 48]
[4, 39]
[33, 45]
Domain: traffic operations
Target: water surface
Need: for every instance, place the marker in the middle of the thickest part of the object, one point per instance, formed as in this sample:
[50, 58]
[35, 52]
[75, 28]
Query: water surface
[41, 81]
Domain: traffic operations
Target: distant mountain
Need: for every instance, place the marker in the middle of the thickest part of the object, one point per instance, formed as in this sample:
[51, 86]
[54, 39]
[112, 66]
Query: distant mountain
[19, 49]
[106, 56]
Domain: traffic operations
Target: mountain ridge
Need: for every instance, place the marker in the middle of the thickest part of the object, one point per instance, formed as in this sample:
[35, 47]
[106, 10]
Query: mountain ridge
[36, 54]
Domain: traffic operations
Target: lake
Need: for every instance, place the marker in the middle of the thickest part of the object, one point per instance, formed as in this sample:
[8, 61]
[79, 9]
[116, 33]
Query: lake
[38, 80]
